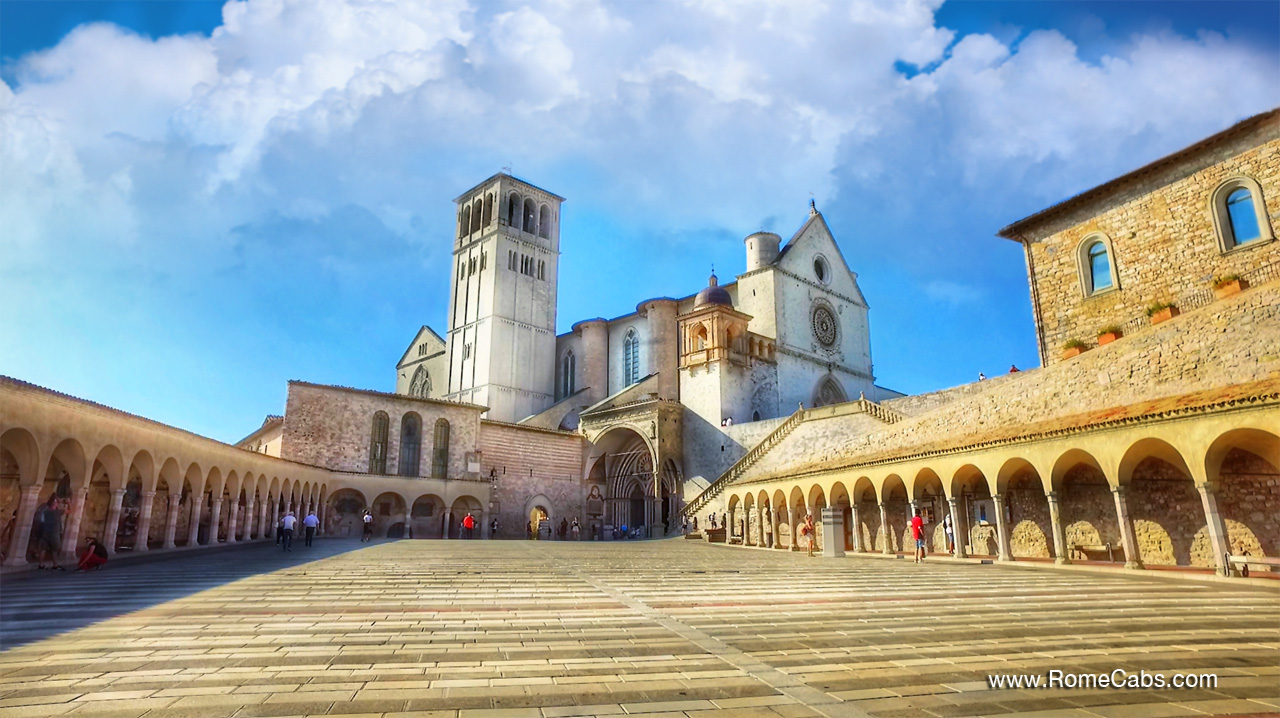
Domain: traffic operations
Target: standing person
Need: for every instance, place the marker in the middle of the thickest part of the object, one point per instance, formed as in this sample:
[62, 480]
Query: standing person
[493, 529]
[713, 519]
[367, 534]
[808, 532]
[528, 530]
[917, 533]
[309, 524]
[564, 528]
[576, 530]
[950, 531]
[287, 522]
[50, 535]
[468, 525]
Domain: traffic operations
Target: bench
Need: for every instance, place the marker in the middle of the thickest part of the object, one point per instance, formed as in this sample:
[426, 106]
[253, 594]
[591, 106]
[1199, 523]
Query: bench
[1242, 563]
[1086, 549]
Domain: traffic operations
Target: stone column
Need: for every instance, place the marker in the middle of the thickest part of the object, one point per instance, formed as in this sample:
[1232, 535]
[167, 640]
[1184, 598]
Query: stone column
[832, 532]
[16, 551]
[144, 521]
[246, 531]
[113, 521]
[1002, 529]
[215, 521]
[1218, 536]
[1059, 534]
[857, 529]
[193, 530]
[961, 531]
[262, 519]
[71, 529]
[171, 521]
[1127, 538]
[885, 529]
[233, 518]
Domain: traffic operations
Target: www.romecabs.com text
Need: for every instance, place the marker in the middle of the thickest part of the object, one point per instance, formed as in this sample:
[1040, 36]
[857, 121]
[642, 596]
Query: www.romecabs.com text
[1118, 678]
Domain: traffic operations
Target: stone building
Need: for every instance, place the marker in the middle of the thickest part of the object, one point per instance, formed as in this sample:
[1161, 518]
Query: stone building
[755, 400]
[1157, 446]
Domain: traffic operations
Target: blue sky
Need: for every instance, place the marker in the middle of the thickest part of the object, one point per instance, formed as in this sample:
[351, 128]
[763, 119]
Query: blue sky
[201, 202]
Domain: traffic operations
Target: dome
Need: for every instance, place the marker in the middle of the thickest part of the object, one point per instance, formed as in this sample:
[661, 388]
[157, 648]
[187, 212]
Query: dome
[713, 294]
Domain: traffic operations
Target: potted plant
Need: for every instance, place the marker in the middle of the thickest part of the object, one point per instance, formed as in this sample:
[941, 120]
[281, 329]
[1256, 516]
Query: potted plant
[1161, 312]
[1072, 348]
[1225, 286]
[1109, 334]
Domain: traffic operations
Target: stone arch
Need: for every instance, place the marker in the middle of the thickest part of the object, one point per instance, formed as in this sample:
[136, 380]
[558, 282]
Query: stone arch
[732, 510]
[427, 517]
[1164, 506]
[538, 512]
[344, 512]
[828, 390]
[840, 500]
[929, 496]
[390, 510]
[764, 507]
[165, 504]
[817, 502]
[743, 525]
[976, 512]
[897, 505]
[1243, 468]
[781, 520]
[1031, 527]
[544, 220]
[530, 219]
[1086, 506]
[19, 462]
[797, 509]
[629, 482]
[865, 500]
[462, 505]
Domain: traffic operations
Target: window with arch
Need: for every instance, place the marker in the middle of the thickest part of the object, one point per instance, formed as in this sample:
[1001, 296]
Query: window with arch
[488, 209]
[464, 222]
[1239, 214]
[475, 216]
[544, 221]
[410, 444]
[1097, 265]
[631, 358]
[378, 443]
[530, 217]
[568, 367]
[513, 209]
[420, 385]
[440, 450]
[700, 338]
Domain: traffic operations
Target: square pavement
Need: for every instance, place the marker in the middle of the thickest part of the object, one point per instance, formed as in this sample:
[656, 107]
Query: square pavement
[472, 629]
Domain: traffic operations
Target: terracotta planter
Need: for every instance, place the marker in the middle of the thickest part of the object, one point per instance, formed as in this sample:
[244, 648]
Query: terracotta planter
[1108, 337]
[1226, 289]
[1073, 351]
[1164, 315]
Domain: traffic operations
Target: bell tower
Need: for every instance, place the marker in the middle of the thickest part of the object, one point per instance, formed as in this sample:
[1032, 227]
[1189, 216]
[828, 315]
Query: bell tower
[502, 298]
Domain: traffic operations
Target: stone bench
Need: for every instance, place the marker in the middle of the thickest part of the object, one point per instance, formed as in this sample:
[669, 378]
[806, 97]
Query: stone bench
[1088, 551]
[1242, 563]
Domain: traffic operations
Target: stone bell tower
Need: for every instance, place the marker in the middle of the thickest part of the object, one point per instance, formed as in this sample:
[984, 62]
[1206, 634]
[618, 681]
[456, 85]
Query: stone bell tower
[502, 298]
[715, 361]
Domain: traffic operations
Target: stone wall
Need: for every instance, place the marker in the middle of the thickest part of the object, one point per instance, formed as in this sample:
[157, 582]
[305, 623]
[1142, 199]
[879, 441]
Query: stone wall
[331, 427]
[1248, 499]
[529, 463]
[1163, 239]
[1032, 531]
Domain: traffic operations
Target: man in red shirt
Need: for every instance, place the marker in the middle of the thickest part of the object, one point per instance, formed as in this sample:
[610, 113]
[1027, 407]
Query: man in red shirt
[917, 533]
[469, 524]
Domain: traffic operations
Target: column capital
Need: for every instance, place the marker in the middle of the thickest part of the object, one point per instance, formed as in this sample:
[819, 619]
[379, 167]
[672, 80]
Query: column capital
[118, 493]
[1118, 490]
[1052, 496]
[1208, 487]
[148, 494]
[998, 498]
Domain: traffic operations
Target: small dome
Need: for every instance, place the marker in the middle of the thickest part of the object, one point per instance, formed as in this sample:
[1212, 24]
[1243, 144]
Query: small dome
[713, 294]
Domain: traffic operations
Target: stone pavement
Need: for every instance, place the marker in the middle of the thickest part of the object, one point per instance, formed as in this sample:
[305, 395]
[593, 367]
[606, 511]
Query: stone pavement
[664, 629]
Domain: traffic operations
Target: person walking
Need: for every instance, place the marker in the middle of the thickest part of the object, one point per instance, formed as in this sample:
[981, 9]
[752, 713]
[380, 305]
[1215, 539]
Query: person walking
[468, 525]
[309, 525]
[807, 531]
[493, 529]
[367, 534]
[917, 533]
[287, 522]
[528, 530]
[48, 534]
[950, 531]
[576, 530]
[564, 528]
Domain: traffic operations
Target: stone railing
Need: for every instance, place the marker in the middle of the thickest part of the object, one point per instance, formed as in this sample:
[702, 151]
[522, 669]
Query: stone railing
[883, 413]
[741, 465]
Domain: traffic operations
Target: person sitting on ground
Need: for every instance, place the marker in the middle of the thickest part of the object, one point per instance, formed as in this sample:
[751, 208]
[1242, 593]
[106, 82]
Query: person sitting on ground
[95, 556]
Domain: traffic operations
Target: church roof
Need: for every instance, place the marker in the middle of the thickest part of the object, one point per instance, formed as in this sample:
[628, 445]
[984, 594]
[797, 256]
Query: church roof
[467, 195]
[713, 294]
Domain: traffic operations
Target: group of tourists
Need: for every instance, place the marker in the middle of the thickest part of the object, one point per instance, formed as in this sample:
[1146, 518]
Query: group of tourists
[289, 522]
[918, 534]
[46, 538]
[566, 531]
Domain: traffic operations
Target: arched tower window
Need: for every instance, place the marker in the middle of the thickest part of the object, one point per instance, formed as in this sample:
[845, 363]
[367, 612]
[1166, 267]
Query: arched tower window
[410, 444]
[420, 386]
[378, 443]
[631, 358]
[440, 452]
[530, 216]
[544, 221]
[700, 338]
[568, 367]
[1239, 214]
[475, 216]
[513, 209]
[464, 222]
[1097, 265]
[488, 209]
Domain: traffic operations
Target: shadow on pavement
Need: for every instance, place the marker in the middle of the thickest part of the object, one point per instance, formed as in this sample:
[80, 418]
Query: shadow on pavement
[39, 604]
